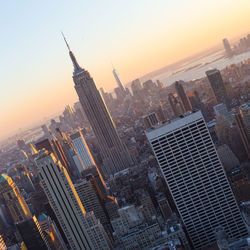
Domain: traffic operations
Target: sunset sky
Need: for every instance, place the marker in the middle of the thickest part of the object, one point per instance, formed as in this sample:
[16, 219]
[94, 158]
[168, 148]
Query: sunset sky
[138, 36]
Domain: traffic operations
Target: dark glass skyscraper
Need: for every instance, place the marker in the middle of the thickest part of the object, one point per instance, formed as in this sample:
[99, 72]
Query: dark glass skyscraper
[183, 96]
[32, 234]
[218, 86]
[114, 153]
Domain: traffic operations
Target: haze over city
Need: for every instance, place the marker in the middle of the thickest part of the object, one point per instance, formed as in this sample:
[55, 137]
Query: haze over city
[125, 125]
[137, 37]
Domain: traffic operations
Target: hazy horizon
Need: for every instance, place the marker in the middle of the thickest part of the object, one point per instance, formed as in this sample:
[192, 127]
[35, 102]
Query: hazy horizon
[36, 71]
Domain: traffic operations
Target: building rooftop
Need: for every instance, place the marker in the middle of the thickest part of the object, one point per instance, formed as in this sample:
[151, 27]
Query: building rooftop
[211, 71]
[43, 153]
[4, 177]
[177, 123]
[42, 217]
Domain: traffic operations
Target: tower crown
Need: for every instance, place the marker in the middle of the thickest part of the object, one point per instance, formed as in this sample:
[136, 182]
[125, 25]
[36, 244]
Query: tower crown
[77, 68]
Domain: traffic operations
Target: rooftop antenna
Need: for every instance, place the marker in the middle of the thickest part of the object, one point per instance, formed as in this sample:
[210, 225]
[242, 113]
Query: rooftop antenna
[65, 41]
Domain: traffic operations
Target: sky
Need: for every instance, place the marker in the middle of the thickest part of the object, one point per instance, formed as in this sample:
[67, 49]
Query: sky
[137, 36]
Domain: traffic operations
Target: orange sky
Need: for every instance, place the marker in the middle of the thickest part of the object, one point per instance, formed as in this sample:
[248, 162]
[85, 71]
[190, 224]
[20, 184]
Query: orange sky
[150, 44]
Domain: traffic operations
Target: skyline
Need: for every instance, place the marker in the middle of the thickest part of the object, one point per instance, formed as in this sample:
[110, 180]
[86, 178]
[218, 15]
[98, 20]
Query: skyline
[41, 65]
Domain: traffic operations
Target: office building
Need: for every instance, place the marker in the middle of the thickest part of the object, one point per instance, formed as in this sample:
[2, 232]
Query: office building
[51, 232]
[245, 208]
[111, 206]
[136, 87]
[129, 217]
[17, 206]
[118, 81]
[93, 200]
[2, 243]
[149, 86]
[227, 47]
[245, 114]
[119, 94]
[45, 130]
[195, 177]
[164, 206]
[98, 177]
[82, 149]
[147, 208]
[21, 144]
[97, 233]
[46, 143]
[144, 237]
[32, 234]
[114, 153]
[221, 109]
[227, 157]
[150, 120]
[218, 86]
[183, 96]
[63, 197]
[105, 96]
[176, 105]
[242, 120]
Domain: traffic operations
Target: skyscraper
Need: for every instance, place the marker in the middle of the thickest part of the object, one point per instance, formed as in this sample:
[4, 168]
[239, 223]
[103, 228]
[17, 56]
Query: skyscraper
[93, 200]
[136, 86]
[82, 149]
[195, 177]
[176, 106]
[227, 47]
[242, 120]
[2, 243]
[218, 86]
[118, 81]
[183, 96]
[114, 153]
[64, 200]
[45, 130]
[221, 109]
[150, 120]
[50, 230]
[14, 200]
[32, 234]
[66, 203]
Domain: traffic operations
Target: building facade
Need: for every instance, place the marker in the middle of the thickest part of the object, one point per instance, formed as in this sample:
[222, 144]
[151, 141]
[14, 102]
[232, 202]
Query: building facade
[14, 200]
[218, 86]
[64, 200]
[114, 153]
[118, 81]
[227, 47]
[82, 149]
[195, 177]
[242, 120]
[183, 96]
[32, 234]
[93, 200]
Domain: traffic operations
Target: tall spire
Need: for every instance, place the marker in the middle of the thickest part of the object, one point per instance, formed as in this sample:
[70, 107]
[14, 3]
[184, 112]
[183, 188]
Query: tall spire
[65, 41]
[77, 68]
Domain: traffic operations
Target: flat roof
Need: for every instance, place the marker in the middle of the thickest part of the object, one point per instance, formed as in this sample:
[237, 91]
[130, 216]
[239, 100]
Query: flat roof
[173, 125]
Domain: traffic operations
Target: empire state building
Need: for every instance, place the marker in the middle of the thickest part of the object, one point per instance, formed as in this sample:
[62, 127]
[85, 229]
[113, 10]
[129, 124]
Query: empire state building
[114, 153]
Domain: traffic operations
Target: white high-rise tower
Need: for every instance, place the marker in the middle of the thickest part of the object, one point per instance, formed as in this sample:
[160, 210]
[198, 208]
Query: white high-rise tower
[118, 81]
[196, 179]
[66, 204]
[82, 149]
